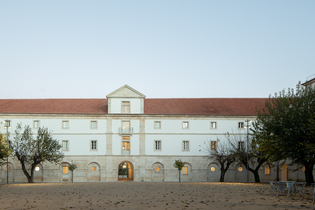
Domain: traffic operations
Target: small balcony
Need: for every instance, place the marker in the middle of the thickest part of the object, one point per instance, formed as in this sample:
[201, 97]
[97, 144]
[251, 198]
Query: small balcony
[126, 131]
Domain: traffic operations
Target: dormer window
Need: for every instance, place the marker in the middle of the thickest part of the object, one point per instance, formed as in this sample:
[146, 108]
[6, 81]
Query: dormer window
[125, 107]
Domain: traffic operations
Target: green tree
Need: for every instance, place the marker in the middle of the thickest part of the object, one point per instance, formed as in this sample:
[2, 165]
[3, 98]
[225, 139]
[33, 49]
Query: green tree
[5, 150]
[31, 152]
[179, 165]
[223, 155]
[285, 128]
[72, 167]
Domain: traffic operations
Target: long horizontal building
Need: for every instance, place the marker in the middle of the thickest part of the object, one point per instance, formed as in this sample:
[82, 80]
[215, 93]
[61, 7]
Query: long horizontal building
[129, 137]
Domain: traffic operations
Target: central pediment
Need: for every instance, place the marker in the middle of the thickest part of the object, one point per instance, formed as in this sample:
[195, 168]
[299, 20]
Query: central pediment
[125, 92]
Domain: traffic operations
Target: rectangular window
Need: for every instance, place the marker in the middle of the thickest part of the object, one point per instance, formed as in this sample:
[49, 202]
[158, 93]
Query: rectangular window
[241, 145]
[125, 107]
[65, 145]
[157, 124]
[36, 124]
[93, 144]
[185, 145]
[267, 170]
[65, 169]
[125, 145]
[125, 126]
[185, 125]
[157, 145]
[241, 125]
[213, 125]
[213, 145]
[65, 124]
[93, 124]
[185, 170]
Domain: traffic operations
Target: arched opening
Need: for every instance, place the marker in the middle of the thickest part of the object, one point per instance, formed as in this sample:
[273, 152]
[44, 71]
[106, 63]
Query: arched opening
[38, 173]
[240, 173]
[64, 172]
[125, 171]
[157, 174]
[213, 173]
[10, 173]
[93, 172]
[284, 172]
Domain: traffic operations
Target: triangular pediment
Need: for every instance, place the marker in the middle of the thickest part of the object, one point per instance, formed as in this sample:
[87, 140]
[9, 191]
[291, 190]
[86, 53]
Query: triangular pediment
[125, 92]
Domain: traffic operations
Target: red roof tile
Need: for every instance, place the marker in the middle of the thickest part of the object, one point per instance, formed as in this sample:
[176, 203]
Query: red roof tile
[204, 106]
[54, 106]
[197, 106]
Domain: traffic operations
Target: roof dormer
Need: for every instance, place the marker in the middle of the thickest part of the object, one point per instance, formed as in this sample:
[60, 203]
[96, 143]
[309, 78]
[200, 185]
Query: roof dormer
[125, 100]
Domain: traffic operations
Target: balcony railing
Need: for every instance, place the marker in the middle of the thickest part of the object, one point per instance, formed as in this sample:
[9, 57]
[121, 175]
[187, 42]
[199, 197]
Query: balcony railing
[125, 131]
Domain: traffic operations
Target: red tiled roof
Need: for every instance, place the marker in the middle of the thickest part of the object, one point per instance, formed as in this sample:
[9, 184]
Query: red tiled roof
[54, 106]
[204, 106]
[198, 106]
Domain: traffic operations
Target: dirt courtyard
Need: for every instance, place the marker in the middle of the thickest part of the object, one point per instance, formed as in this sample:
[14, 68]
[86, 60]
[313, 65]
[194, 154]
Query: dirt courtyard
[146, 195]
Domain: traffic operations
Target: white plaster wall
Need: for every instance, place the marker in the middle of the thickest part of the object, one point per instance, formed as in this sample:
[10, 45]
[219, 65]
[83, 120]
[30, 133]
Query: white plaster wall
[172, 144]
[195, 126]
[55, 125]
[81, 144]
[135, 105]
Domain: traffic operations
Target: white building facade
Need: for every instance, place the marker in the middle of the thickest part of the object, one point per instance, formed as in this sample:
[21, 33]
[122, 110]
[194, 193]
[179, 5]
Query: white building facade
[127, 137]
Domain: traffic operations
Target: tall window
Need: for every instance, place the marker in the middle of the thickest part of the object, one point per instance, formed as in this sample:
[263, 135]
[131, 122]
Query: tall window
[65, 145]
[267, 170]
[157, 145]
[125, 107]
[241, 125]
[213, 125]
[36, 124]
[185, 170]
[185, 145]
[125, 126]
[241, 145]
[93, 144]
[157, 124]
[65, 124]
[93, 124]
[213, 145]
[65, 169]
[185, 125]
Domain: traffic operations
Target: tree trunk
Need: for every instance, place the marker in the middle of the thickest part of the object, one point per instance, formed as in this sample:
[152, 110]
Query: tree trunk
[72, 176]
[179, 175]
[29, 178]
[256, 175]
[309, 173]
[222, 175]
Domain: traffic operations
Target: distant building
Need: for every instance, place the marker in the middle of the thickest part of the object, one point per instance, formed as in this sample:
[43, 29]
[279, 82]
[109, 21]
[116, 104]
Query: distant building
[310, 81]
[130, 137]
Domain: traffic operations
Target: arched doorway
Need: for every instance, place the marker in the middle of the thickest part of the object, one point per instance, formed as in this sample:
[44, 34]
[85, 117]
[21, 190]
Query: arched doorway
[38, 173]
[125, 171]
[64, 172]
[10, 171]
[240, 173]
[284, 172]
[213, 173]
[157, 174]
[93, 172]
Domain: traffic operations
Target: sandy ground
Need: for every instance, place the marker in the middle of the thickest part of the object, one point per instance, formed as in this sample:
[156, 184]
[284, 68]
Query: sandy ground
[146, 195]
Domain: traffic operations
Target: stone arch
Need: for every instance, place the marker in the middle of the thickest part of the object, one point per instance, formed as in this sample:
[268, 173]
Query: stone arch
[186, 173]
[11, 172]
[213, 172]
[38, 173]
[283, 172]
[125, 171]
[93, 172]
[157, 172]
[240, 173]
[64, 172]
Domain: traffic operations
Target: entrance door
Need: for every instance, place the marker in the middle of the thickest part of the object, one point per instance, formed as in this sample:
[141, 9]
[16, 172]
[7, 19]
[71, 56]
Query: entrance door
[125, 171]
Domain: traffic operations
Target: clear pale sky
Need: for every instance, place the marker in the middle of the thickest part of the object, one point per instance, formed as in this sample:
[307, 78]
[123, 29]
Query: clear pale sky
[164, 49]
